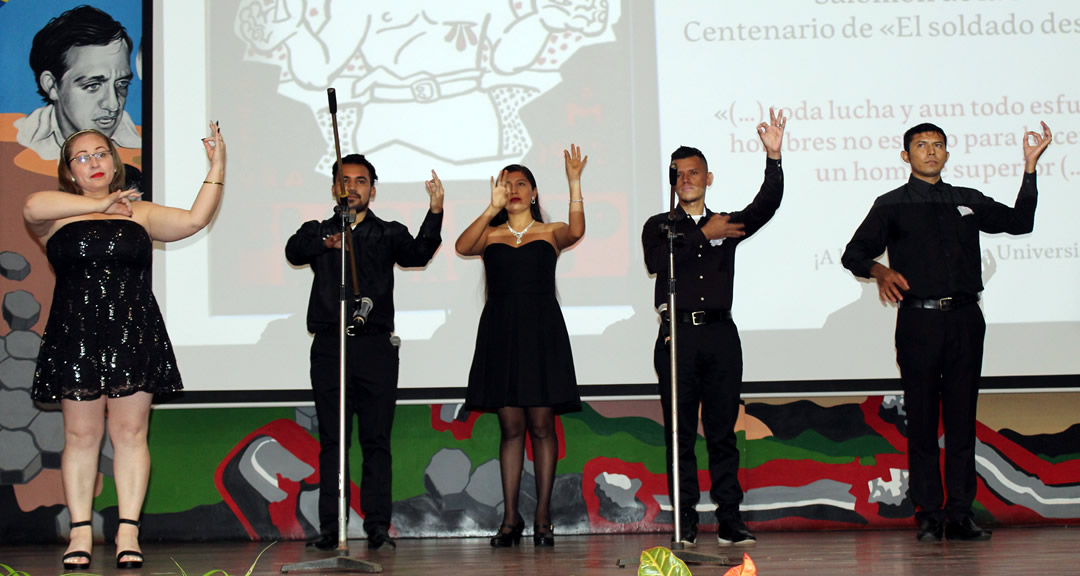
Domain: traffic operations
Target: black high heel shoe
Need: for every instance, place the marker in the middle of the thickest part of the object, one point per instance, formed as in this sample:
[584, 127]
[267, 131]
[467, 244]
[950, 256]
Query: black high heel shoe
[66, 559]
[129, 564]
[546, 538]
[507, 535]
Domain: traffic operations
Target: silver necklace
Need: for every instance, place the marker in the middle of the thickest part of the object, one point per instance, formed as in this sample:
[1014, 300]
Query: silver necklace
[517, 234]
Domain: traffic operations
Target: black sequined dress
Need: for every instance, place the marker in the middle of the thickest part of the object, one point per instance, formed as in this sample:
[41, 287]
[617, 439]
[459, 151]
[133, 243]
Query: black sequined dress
[105, 334]
[523, 355]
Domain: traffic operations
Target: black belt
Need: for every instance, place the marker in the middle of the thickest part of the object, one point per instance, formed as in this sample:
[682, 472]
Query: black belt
[354, 329]
[943, 304]
[702, 316]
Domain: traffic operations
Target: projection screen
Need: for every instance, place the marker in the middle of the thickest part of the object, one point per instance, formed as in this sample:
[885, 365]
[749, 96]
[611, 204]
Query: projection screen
[466, 88]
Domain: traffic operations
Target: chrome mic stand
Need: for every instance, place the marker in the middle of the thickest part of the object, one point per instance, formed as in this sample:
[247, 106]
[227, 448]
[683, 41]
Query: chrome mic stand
[677, 547]
[341, 560]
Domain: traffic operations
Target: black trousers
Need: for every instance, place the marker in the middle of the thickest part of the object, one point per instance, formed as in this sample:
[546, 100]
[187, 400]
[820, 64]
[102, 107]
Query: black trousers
[371, 394]
[940, 358]
[710, 376]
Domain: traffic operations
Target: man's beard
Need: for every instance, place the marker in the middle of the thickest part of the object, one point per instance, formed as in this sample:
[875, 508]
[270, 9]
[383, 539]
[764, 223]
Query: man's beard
[360, 205]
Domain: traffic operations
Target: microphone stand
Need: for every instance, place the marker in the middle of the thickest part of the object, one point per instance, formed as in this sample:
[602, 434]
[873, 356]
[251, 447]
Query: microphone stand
[677, 547]
[341, 559]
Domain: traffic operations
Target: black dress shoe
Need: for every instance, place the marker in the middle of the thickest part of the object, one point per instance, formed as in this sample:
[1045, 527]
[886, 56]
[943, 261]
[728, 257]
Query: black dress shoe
[966, 529]
[508, 535]
[325, 541]
[929, 530]
[689, 534]
[732, 530]
[543, 536]
[379, 539]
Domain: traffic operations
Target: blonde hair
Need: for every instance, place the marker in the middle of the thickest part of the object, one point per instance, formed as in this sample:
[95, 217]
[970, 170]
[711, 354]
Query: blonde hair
[63, 168]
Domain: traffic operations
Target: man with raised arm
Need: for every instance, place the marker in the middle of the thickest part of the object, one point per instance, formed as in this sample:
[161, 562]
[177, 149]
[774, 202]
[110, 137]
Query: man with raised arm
[930, 230]
[371, 362]
[709, 349]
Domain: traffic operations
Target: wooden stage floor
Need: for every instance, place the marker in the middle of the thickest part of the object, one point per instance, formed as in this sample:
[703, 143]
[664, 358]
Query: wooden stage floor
[1011, 552]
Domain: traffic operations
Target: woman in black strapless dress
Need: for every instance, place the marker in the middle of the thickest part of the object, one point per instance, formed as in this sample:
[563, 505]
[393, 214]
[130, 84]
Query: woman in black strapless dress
[105, 349]
[523, 368]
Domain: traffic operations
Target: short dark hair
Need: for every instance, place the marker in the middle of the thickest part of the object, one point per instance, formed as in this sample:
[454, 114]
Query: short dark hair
[534, 208]
[683, 152]
[80, 26]
[356, 160]
[921, 128]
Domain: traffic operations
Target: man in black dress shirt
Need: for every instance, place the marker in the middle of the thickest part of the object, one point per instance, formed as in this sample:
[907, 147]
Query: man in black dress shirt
[931, 232]
[371, 357]
[709, 351]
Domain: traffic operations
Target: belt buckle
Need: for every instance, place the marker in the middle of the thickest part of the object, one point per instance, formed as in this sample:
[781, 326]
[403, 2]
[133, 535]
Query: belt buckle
[425, 90]
[945, 304]
[697, 318]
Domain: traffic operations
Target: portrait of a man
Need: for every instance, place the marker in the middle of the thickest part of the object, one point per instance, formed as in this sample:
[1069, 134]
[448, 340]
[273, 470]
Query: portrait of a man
[81, 61]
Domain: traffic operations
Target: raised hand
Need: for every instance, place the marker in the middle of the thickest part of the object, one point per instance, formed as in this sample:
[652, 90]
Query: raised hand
[215, 145]
[500, 193]
[575, 163]
[119, 202]
[772, 133]
[1034, 145]
[435, 190]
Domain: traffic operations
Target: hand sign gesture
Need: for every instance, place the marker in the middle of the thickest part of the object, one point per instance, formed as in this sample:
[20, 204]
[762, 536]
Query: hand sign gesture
[575, 163]
[500, 192]
[1034, 145]
[772, 133]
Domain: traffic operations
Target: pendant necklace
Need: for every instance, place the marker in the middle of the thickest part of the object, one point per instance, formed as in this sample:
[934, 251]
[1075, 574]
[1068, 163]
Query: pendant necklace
[517, 234]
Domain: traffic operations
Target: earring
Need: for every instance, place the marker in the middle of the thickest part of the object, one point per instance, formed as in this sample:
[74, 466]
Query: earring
[72, 178]
[534, 200]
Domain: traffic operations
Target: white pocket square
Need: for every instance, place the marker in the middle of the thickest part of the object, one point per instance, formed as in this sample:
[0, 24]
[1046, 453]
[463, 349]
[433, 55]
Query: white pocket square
[965, 211]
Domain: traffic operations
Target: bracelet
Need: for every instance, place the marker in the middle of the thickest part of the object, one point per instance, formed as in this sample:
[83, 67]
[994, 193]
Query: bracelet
[582, 200]
[212, 182]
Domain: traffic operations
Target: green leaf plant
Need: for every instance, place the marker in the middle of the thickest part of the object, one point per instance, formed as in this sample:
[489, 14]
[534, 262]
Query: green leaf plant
[222, 572]
[660, 561]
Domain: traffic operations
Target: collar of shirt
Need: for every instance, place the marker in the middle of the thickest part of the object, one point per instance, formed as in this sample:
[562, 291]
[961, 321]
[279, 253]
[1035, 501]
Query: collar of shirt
[923, 189]
[370, 216]
[699, 221]
[681, 214]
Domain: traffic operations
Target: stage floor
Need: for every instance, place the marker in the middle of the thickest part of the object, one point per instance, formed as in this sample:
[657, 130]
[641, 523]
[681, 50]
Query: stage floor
[1011, 552]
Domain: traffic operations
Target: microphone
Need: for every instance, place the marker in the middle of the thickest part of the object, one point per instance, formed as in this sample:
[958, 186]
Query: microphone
[360, 315]
[673, 178]
[331, 95]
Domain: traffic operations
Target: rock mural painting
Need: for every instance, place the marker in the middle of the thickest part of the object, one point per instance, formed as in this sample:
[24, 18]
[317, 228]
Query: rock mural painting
[251, 473]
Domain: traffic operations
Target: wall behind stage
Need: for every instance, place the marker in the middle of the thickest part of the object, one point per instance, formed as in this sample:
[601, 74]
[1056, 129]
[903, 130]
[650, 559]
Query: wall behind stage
[827, 463]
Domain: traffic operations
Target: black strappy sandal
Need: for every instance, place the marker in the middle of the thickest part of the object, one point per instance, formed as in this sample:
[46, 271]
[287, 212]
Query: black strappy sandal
[128, 564]
[68, 565]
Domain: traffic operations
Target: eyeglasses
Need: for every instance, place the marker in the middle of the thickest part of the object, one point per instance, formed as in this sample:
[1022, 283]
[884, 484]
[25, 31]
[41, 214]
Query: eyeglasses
[84, 158]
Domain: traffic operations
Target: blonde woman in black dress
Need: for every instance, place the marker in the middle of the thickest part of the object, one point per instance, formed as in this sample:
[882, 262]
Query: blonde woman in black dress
[105, 350]
[523, 368]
